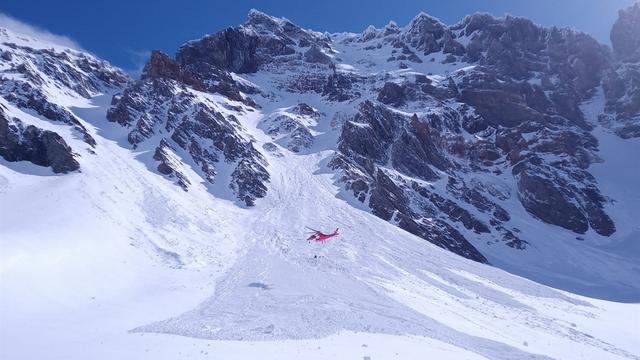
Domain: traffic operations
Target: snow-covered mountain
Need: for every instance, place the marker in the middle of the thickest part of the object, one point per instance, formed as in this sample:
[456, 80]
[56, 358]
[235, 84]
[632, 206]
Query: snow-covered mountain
[454, 159]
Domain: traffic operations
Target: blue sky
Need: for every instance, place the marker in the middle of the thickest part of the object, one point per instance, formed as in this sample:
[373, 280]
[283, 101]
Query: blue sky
[124, 31]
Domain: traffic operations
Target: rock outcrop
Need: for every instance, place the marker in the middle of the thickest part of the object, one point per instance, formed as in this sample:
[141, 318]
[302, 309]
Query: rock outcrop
[620, 84]
[183, 118]
[625, 35]
[20, 142]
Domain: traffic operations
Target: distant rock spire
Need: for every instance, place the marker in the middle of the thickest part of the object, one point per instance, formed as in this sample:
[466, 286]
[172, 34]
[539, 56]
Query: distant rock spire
[625, 34]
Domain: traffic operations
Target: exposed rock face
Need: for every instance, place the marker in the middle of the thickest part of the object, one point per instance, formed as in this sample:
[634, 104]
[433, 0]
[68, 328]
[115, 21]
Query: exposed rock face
[290, 127]
[376, 137]
[621, 85]
[521, 100]
[199, 75]
[244, 49]
[29, 143]
[161, 65]
[561, 206]
[192, 122]
[576, 57]
[625, 35]
[231, 50]
[316, 55]
[392, 94]
[424, 32]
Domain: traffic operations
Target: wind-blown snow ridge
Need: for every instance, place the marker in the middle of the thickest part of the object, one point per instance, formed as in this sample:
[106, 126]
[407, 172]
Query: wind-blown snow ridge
[16, 31]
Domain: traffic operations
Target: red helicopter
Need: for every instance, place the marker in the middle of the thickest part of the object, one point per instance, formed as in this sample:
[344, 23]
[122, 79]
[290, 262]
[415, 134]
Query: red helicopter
[319, 236]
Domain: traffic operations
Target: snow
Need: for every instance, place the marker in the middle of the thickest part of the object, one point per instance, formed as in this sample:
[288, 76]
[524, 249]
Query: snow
[117, 262]
[8, 35]
[618, 156]
[139, 261]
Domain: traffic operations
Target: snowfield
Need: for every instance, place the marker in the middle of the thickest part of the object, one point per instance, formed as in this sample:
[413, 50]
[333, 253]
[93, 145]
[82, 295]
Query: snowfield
[117, 262]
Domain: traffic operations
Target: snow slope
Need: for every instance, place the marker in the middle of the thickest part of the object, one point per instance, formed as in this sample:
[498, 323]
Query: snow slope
[114, 262]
